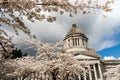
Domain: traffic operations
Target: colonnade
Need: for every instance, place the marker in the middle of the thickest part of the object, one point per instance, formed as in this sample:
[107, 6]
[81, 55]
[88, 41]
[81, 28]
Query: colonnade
[76, 41]
[94, 74]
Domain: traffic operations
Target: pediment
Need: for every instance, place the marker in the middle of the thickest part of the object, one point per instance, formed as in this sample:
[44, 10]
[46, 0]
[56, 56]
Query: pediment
[80, 56]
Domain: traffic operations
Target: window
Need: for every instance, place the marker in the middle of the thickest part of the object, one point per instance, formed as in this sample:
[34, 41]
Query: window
[73, 42]
[68, 43]
[83, 41]
[78, 41]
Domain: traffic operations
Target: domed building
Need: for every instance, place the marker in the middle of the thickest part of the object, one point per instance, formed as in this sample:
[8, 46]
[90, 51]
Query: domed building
[76, 43]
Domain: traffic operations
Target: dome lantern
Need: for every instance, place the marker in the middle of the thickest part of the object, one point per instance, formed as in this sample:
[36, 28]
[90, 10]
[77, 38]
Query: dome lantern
[74, 25]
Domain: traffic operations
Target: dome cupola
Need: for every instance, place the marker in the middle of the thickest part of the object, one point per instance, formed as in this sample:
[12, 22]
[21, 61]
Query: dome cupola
[75, 39]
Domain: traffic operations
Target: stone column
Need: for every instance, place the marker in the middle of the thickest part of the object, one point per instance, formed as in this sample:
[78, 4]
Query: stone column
[66, 44]
[18, 78]
[80, 42]
[28, 77]
[84, 75]
[79, 77]
[100, 72]
[90, 75]
[74, 41]
[21, 78]
[32, 75]
[71, 42]
[95, 73]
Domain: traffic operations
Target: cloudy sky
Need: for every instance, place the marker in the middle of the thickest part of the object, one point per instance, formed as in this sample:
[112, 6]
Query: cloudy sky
[103, 33]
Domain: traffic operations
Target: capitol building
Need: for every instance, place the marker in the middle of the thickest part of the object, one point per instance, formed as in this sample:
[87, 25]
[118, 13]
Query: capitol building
[76, 43]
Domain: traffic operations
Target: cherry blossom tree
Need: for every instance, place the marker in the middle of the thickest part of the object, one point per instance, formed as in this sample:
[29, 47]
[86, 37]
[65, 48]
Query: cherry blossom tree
[113, 73]
[49, 63]
[5, 43]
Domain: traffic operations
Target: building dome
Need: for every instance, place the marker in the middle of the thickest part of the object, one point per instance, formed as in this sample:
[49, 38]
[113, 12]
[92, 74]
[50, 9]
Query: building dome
[75, 40]
[75, 32]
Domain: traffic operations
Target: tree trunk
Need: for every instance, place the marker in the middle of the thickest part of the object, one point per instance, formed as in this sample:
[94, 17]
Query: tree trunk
[53, 76]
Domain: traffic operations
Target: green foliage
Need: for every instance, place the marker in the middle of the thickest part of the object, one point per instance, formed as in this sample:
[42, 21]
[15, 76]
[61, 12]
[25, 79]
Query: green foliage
[16, 53]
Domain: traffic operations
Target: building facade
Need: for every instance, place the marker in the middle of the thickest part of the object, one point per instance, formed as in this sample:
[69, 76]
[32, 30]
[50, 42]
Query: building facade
[76, 43]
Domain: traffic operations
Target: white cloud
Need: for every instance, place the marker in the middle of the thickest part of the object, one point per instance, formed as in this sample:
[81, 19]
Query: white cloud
[103, 31]
[99, 30]
[106, 44]
[111, 58]
[119, 58]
